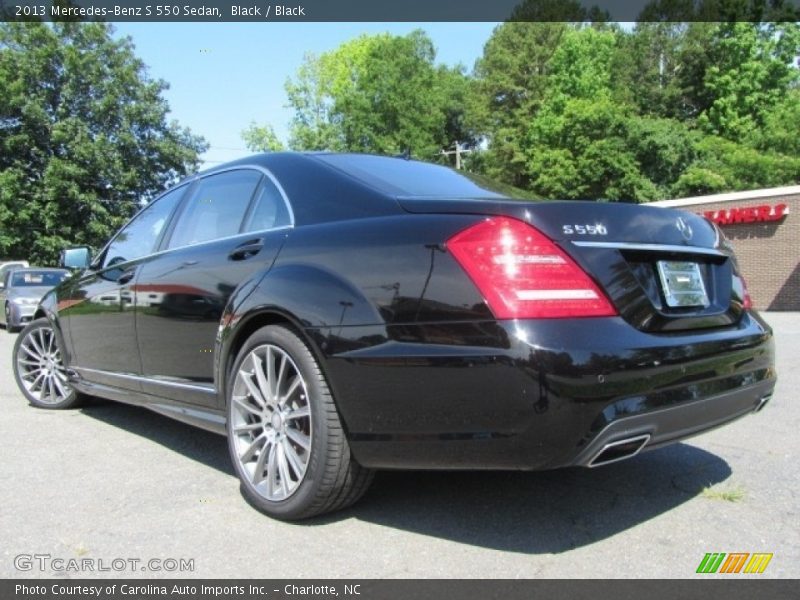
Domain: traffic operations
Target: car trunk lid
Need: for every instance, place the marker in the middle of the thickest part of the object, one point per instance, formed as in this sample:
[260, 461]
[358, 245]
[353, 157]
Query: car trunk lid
[663, 269]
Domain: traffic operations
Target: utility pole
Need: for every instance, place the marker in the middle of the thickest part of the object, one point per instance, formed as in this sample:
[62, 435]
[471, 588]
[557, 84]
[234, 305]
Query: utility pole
[458, 152]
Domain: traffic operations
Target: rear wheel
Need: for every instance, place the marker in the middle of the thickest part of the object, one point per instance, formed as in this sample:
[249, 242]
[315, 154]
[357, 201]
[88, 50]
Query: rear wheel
[39, 370]
[284, 434]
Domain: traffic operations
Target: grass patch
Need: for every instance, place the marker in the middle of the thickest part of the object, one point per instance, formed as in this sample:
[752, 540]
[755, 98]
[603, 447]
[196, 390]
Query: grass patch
[733, 494]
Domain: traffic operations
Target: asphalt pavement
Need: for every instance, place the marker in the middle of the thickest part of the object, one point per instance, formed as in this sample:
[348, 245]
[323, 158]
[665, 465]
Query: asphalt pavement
[112, 486]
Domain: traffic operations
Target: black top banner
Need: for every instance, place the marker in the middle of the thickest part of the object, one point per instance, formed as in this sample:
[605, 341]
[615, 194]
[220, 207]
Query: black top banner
[400, 10]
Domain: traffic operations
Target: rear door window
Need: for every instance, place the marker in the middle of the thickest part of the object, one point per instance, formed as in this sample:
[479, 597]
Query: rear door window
[216, 208]
[269, 210]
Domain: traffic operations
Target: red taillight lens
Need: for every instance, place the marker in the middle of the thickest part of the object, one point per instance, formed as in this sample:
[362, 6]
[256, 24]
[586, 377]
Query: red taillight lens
[522, 274]
[747, 301]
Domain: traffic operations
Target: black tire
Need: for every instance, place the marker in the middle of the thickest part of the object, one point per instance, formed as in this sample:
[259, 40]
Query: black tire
[332, 479]
[9, 328]
[24, 369]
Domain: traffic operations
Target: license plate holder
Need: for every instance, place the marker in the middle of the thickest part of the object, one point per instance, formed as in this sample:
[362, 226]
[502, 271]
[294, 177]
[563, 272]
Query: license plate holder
[682, 283]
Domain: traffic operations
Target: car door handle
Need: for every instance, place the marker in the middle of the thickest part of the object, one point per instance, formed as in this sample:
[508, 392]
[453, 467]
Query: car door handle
[126, 276]
[246, 250]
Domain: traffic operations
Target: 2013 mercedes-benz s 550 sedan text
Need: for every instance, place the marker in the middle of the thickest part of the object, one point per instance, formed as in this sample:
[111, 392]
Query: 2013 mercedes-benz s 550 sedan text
[333, 314]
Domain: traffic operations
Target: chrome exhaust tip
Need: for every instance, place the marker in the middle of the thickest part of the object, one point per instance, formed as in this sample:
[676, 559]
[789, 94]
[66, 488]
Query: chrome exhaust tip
[619, 450]
[762, 402]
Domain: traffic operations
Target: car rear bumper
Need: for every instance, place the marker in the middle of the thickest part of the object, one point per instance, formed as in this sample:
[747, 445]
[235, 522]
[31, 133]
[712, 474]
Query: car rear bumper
[655, 428]
[537, 394]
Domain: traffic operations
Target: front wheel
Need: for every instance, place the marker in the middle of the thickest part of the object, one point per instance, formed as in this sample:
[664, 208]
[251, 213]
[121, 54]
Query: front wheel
[39, 370]
[284, 434]
[9, 327]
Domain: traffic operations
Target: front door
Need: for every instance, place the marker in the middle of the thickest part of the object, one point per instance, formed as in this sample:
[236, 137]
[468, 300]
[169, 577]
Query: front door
[97, 308]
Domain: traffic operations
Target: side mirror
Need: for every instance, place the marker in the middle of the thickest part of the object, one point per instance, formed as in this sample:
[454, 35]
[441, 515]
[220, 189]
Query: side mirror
[75, 258]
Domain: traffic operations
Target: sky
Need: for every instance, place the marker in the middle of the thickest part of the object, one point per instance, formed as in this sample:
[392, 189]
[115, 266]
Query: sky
[223, 76]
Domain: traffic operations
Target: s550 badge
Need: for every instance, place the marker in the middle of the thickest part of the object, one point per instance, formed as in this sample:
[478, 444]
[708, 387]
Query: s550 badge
[587, 229]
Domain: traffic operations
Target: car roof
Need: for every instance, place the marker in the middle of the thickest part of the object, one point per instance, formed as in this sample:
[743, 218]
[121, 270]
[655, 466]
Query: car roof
[317, 192]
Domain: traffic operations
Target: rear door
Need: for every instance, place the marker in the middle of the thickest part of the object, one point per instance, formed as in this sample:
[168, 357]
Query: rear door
[229, 228]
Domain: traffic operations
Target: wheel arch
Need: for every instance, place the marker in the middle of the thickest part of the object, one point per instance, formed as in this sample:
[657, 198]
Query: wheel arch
[229, 349]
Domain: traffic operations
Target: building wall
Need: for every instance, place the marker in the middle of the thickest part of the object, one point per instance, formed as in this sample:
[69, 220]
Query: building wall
[769, 250]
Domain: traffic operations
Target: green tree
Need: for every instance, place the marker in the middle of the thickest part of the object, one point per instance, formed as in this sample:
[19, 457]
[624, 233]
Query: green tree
[581, 152]
[84, 137]
[510, 83]
[576, 145]
[781, 126]
[723, 165]
[667, 109]
[753, 67]
[261, 138]
[380, 94]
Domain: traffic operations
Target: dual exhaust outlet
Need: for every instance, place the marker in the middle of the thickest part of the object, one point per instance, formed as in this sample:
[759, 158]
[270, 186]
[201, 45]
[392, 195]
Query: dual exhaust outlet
[618, 450]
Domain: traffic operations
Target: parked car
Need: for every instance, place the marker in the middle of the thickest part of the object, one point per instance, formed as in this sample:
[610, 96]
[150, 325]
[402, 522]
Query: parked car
[10, 265]
[21, 291]
[387, 313]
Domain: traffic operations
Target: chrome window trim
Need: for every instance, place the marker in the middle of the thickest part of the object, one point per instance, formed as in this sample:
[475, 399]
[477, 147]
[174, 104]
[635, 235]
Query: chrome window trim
[191, 181]
[652, 247]
[264, 171]
[209, 389]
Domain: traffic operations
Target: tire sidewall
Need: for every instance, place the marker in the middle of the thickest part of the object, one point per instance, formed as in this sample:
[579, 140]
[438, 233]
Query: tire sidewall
[31, 327]
[289, 342]
[8, 316]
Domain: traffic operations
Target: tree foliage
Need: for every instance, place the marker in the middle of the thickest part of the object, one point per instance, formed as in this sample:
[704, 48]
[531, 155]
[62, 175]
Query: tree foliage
[84, 137]
[583, 109]
[261, 138]
[511, 80]
[381, 94]
[666, 109]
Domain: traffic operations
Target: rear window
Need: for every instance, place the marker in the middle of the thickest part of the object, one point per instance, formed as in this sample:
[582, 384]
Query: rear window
[37, 278]
[400, 177]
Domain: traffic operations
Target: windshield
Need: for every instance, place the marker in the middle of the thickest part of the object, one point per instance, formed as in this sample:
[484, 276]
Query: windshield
[37, 278]
[412, 178]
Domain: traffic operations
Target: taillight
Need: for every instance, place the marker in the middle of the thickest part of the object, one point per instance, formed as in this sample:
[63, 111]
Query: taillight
[747, 301]
[522, 274]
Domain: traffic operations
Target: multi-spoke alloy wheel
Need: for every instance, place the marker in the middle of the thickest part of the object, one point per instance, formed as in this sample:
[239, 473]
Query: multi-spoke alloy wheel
[271, 422]
[286, 441]
[38, 367]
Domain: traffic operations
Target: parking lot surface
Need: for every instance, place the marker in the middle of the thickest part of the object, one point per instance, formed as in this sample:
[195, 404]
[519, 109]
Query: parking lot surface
[111, 481]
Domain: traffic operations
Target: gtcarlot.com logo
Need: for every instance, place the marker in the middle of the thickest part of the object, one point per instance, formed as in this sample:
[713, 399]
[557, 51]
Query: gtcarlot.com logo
[734, 562]
[48, 562]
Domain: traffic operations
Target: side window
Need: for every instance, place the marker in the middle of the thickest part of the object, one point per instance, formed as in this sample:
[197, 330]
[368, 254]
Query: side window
[216, 208]
[139, 237]
[269, 210]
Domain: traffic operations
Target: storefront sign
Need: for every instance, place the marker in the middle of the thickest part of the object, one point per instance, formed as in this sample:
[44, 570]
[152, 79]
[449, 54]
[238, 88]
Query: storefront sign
[749, 214]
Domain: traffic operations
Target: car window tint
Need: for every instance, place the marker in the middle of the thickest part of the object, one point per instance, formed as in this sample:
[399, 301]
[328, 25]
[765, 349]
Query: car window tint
[216, 208]
[37, 278]
[401, 177]
[270, 209]
[139, 237]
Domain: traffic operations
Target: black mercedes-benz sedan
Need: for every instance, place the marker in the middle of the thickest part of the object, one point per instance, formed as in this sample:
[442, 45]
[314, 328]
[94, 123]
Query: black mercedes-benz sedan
[333, 314]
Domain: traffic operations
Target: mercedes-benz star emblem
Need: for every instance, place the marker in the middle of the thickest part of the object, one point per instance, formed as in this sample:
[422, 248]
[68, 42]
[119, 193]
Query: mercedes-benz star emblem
[684, 228]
